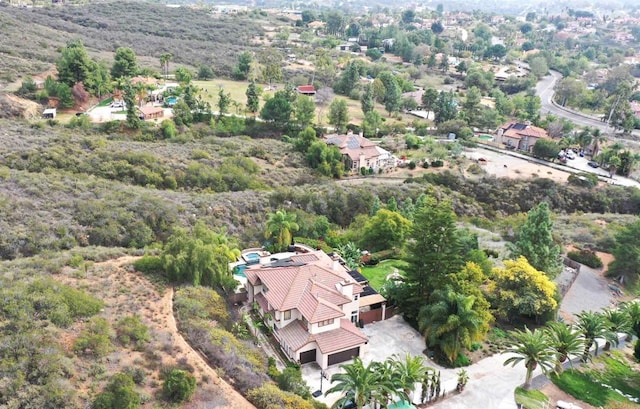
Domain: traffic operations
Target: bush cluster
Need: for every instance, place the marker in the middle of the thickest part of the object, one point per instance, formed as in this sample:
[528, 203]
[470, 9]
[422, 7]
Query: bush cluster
[587, 257]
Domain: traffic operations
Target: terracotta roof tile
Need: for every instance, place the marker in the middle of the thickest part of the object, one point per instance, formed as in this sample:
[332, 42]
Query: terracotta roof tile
[347, 336]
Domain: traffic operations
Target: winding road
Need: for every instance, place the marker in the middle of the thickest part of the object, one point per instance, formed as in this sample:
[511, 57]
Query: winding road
[545, 90]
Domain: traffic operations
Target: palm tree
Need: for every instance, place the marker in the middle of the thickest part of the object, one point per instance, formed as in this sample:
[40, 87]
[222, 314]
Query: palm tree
[617, 321]
[532, 348]
[358, 383]
[564, 341]
[632, 309]
[164, 62]
[409, 371]
[593, 326]
[280, 227]
[598, 138]
[451, 323]
[388, 376]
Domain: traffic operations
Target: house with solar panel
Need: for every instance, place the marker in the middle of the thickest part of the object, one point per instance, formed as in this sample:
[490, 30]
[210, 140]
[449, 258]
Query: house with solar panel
[312, 304]
[520, 136]
[360, 153]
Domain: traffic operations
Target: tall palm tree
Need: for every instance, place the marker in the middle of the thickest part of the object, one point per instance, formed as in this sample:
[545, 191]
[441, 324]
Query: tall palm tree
[280, 227]
[451, 323]
[358, 383]
[593, 326]
[532, 348]
[598, 139]
[164, 62]
[564, 341]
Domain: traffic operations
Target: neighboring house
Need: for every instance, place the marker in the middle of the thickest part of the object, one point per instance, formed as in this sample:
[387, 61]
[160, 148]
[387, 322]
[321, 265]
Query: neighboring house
[151, 112]
[415, 95]
[311, 303]
[359, 152]
[49, 113]
[520, 136]
[308, 90]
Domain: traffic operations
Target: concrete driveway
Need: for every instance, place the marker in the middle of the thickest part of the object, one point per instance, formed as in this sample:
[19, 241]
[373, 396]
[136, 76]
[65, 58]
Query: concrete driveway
[490, 386]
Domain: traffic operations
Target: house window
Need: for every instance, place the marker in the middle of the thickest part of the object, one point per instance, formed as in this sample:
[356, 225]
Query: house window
[286, 315]
[356, 297]
[354, 317]
[325, 323]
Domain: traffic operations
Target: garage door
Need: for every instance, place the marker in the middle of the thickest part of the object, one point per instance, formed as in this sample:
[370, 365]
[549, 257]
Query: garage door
[343, 356]
[308, 356]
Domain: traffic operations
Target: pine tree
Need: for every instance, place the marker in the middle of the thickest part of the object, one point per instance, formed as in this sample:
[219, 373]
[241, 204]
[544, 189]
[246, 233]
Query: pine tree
[535, 241]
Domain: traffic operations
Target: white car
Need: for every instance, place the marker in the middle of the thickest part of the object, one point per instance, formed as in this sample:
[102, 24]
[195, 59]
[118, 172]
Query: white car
[118, 105]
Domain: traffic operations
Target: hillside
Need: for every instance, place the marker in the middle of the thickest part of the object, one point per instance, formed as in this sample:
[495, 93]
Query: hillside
[32, 37]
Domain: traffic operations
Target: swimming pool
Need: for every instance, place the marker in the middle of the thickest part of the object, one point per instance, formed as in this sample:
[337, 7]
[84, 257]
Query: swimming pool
[251, 258]
[487, 138]
[239, 271]
[172, 100]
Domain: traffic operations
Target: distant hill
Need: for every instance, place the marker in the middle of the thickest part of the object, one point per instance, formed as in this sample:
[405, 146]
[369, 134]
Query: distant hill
[31, 37]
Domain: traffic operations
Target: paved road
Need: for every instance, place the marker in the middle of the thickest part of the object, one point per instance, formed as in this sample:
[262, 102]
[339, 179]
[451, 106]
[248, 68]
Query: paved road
[590, 292]
[545, 90]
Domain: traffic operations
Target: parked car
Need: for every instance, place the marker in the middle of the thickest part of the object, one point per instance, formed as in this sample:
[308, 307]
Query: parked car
[593, 164]
[570, 155]
[117, 105]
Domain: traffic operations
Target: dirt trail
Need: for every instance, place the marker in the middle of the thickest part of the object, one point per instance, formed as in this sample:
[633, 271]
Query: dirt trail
[126, 292]
[234, 399]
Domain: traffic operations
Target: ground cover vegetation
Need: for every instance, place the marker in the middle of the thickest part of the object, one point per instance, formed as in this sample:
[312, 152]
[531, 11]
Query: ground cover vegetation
[228, 172]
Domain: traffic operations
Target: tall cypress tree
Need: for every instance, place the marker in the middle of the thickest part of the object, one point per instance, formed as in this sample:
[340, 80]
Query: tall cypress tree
[433, 252]
[535, 241]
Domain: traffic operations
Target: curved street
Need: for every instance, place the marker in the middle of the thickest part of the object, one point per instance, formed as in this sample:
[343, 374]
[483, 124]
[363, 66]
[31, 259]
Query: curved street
[545, 90]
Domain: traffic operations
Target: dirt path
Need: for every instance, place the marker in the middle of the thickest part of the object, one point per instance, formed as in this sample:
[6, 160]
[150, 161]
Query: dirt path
[126, 293]
[234, 399]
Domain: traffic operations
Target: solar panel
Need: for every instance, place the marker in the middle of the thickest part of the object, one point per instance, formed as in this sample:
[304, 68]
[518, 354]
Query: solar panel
[353, 143]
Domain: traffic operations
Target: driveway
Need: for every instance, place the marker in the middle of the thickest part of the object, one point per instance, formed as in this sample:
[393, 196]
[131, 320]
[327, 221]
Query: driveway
[490, 386]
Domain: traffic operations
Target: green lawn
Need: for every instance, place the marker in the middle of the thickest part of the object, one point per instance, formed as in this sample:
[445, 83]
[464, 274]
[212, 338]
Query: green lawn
[377, 274]
[588, 385]
[531, 399]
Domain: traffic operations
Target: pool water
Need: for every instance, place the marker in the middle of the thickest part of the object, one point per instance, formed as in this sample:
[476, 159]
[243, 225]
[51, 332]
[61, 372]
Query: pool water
[486, 137]
[172, 100]
[239, 271]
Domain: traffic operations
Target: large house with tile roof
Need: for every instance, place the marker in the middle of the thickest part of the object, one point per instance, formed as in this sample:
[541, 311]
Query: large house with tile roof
[312, 304]
[359, 152]
[520, 136]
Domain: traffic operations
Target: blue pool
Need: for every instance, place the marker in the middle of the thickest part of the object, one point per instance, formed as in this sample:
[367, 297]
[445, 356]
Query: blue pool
[239, 271]
[172, 101]
[252, 258]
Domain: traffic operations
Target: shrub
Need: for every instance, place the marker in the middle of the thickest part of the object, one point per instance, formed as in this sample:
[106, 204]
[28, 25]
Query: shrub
[437, 163]
[137, 374]
[95, 339]
[119, 393]
[378, 256]
[425, 164]
[636, 350]
[269, 396]
[587, 257]
[131, 329]
[461, 360]
[412, 165]
[149, 265]
[178, 385]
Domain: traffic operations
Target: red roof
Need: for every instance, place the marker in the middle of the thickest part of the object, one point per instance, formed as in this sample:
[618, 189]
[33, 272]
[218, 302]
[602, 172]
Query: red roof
[306, 88]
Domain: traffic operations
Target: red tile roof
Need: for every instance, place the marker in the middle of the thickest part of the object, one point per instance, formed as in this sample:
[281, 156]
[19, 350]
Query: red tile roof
[346, 336]
[518, 131]
[306, 88]
[314, 289]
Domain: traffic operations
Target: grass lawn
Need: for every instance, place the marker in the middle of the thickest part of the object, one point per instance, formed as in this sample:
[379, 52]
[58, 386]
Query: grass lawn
[237, 90]
[611, 370]
[531, 399]
[377, 274]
